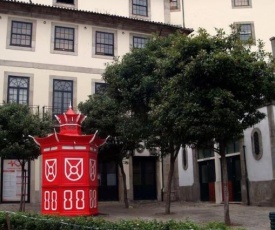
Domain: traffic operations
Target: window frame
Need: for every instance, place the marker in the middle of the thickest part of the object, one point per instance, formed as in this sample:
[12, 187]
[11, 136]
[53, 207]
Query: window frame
[241, 6]
[64, 39]
[62, 109]
[75, 45]
[139, 37]
[252, 30]
[132, 35]
[184, 158]
[112, 45]
[23, 75]
[148, 7]
[28, 181]
[257, 156]
[205, 153]
[140, 6]
[236, 147]
[21, 34]
[18, 89]
[94, 54]
[9, 44]
[67, 5]
[101, 85]
[175, 8]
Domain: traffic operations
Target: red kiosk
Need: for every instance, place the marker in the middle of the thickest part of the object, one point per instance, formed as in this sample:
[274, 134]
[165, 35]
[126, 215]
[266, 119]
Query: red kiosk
[69, 168]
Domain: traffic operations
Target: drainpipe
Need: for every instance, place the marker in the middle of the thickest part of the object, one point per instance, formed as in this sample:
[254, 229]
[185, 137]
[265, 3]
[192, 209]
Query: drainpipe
[162, 179]
[246, 178]
[182, 8]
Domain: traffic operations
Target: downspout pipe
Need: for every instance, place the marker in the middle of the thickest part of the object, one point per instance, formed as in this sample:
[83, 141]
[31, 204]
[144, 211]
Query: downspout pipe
[246, 178]
[182, 9]
[162, 179]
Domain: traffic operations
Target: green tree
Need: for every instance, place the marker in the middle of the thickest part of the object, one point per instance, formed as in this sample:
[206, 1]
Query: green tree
[103, 114]
[193, 90]
[17, 124]
[225, 84]
[138, 83]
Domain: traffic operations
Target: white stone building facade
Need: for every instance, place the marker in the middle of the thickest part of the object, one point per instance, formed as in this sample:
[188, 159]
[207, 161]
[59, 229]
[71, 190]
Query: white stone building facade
[53, 52]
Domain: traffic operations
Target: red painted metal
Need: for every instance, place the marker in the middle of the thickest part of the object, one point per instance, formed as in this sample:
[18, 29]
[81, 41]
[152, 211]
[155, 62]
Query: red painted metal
[69, 168]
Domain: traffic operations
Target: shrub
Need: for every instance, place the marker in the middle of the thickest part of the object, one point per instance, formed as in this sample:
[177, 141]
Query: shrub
[19, 221]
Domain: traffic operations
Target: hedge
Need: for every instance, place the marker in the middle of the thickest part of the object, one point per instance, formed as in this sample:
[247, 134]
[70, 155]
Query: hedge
[27, 221]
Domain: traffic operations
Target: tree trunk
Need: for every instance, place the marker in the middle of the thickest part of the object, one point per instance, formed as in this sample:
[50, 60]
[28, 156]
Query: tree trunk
[23, 189]
[126, 202]
[227, 220]
[169, 183]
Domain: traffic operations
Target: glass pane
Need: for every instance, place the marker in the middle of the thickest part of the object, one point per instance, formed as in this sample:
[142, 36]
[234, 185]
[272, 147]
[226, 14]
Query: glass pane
[246, 32]
[139, 42]
[111, 179]
[241, 2]
[12, 95]
[256, 143]
[204, 174]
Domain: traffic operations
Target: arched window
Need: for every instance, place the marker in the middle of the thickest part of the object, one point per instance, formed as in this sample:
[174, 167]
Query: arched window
[256, 143]
[256, 140]
[184, 158]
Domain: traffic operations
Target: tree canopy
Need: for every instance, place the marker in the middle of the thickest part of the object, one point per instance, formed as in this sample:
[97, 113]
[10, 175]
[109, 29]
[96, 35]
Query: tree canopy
[193, 90]
[17, 122]
[104, 114]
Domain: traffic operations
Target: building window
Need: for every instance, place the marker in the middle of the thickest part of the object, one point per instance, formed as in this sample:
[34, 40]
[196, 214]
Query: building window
[256, 141]
[100, 87]
[21, 34]
[139, 42]
[62, 95]
[184, 158]
[232, 147]
[205, 153]
[11, 177]
[104, 44]
[246, 31]
[64, 38]
[140, 7]
[174, 4]
[65, 1]
[18, 89]
[238, 3]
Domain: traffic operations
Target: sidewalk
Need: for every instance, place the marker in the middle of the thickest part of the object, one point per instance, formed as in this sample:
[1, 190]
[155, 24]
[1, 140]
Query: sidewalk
[248, 217]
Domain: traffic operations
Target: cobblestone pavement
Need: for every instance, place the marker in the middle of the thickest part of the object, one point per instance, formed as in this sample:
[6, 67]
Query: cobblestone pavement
[248, 217]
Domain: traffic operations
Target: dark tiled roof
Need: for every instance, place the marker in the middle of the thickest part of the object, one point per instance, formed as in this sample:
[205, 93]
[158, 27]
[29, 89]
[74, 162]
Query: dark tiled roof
[84, 16]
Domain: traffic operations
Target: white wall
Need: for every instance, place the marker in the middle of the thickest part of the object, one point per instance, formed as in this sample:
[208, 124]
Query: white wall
[42, 53]
[186, 177]
[115, 7]
[42, 63]
[259, 170]
[213, 14]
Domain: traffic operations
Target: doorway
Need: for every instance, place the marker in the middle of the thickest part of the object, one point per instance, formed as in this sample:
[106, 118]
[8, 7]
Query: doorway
[207, 180]
[234, 178]
[107, 181]
[144, 178]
